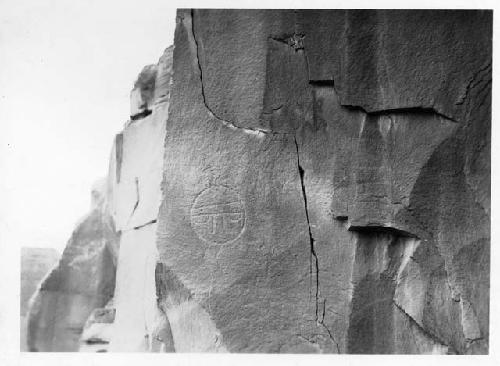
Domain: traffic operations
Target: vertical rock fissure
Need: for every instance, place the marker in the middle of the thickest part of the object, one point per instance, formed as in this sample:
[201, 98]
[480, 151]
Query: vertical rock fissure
[313, 255]
[136, 201]
[314, 258]
[203, 95]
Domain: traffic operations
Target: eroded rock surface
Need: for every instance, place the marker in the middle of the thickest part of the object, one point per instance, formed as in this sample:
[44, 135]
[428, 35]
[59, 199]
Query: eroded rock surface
[326, 182]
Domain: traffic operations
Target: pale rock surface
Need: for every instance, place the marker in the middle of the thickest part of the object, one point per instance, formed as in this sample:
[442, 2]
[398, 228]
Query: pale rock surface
[134, 183]
[35, 265]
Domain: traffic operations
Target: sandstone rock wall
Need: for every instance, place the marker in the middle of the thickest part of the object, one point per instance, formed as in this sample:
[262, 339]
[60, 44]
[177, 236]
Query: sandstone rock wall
[134, 180]
[326, 182]
[308, 181]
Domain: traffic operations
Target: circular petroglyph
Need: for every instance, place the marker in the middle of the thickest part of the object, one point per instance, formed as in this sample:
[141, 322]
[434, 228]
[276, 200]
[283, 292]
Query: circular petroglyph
[218, 215]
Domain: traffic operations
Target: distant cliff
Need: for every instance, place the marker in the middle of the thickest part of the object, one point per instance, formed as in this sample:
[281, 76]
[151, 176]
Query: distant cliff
[293, 181]
[35, 264]
[103, 288]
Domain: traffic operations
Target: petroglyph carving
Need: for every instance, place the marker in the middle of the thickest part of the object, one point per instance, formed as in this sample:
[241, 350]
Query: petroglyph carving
[218, 215]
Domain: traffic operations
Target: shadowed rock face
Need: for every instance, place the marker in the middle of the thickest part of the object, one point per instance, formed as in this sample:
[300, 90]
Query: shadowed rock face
[83, 280]
[326, 182]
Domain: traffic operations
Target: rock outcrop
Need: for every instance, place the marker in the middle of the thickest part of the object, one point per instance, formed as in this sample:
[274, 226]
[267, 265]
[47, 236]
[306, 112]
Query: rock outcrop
[102, 296]
[83, 280]
[134, 181]
[35, 264]
[325, 188]
[326, 182]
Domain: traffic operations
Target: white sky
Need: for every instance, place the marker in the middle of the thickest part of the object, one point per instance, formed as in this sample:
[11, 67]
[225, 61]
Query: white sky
[66, 70]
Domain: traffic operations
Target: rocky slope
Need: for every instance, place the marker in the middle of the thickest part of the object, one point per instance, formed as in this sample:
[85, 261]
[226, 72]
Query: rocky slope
[324, 189]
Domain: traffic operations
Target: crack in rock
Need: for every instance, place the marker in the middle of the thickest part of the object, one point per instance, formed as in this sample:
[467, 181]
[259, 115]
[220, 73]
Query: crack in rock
[145, 224]
[381, 112]
[474, 81]
[137, 200]
[313, 256]
[252, 131]
[423, 330]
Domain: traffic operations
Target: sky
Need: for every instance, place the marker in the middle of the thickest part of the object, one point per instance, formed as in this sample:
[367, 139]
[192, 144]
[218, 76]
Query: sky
[66, 71]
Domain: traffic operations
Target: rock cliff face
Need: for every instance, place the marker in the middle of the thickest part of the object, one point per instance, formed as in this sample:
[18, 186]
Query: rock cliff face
[325, 188]
[134, 183]
[102, 294]
[326, 182]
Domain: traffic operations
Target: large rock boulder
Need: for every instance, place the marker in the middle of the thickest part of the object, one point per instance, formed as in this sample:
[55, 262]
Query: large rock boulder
[326, 182]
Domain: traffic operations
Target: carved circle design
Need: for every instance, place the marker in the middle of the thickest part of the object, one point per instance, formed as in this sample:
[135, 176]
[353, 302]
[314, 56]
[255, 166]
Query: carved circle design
[218, 215]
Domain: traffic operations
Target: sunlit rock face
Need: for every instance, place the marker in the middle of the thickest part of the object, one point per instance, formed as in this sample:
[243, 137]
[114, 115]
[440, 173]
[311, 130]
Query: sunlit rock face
[35, 264]
[102, 295]
[83, 280]
[134, 182]
[326, 182]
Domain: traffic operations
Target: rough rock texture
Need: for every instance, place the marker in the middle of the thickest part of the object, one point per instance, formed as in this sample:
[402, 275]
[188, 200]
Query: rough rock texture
[83, 280]
[325, 188]
[35, 264]
[326, 182]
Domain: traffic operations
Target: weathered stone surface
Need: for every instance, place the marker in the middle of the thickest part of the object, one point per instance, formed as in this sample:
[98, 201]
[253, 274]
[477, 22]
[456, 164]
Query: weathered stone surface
[35, 264]
[83, 280]
[325, 188]
[326, 182]
[446, 54]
